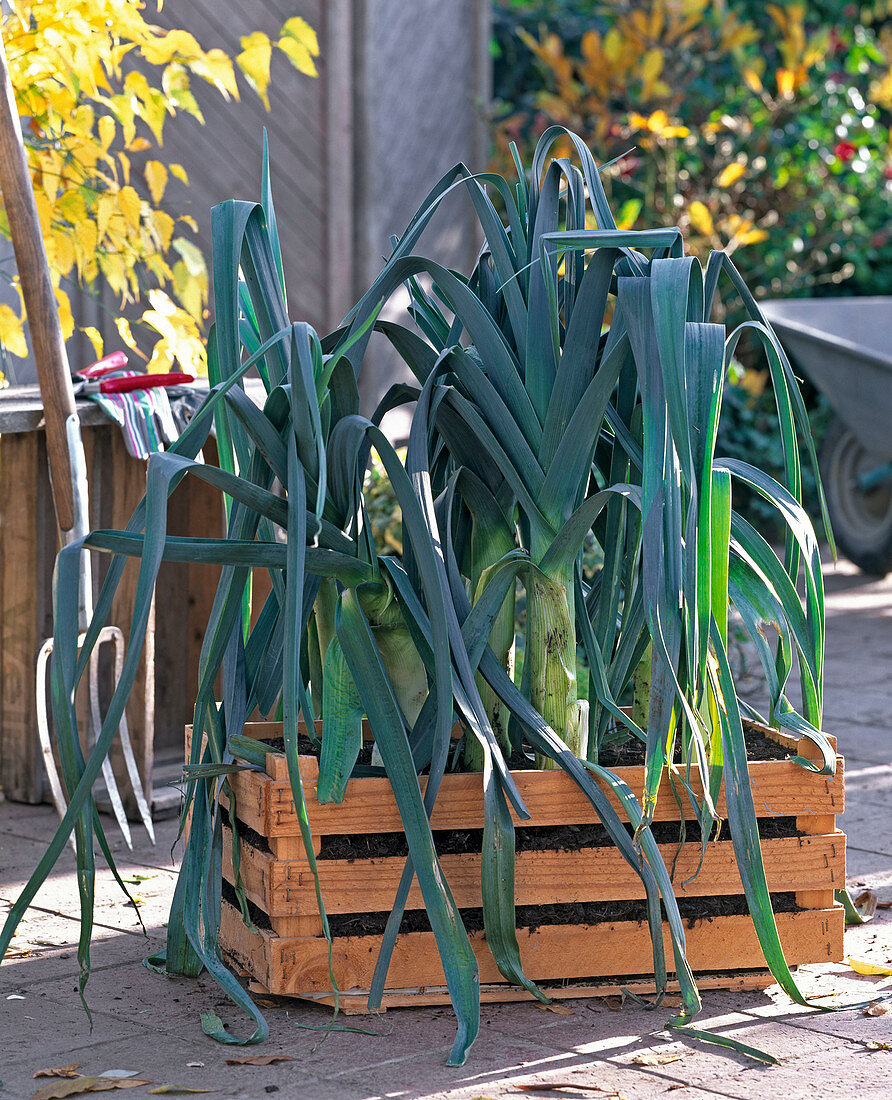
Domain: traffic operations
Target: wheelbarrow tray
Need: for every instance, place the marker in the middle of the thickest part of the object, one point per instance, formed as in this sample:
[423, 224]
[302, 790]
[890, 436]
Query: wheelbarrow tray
[844, 346]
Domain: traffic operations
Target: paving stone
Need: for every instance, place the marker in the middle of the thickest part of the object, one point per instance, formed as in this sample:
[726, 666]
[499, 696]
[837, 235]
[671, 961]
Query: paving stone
[842, 1071]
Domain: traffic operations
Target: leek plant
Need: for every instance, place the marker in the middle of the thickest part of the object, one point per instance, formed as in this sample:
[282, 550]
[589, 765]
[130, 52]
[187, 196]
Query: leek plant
[568, 388]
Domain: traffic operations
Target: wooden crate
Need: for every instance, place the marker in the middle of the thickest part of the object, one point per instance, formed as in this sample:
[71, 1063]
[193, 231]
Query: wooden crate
[284, 952]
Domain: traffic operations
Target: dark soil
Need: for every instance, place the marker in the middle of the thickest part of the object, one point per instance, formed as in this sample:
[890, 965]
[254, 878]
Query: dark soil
[531, 917]
[617, 754]
[534, 838]
[306, 747]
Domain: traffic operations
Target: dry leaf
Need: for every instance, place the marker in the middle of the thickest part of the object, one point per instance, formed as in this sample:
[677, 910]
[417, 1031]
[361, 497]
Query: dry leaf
[659, 1059]
[175, 1090]
[873, 1045]
[878, 1008]
[75, 1085]
[259, 1059]
[561, 1086]
[60, 1071]
[614, 1003]
[561, 1010]
[865, 966]
[884, 905]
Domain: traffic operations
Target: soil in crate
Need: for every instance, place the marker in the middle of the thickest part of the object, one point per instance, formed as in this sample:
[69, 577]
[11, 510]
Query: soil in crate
[618, 754]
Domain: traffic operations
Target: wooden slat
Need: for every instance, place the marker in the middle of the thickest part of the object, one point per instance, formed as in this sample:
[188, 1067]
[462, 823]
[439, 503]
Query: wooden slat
[23, 535]
[780, 789]
[356, 1004]
[291, 967]
[285, 889]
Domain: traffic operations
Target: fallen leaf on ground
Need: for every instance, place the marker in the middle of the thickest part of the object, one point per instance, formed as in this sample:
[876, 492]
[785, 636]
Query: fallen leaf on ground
[878, 1008]
[866, 904]
[192, 1065]
[561, 1010]
[613, 1003]
[865, 966]
[119, 1073]
[873, 1045]
[60, 1071]
[658, 1059]
[561, 1086]
[73, 1086]
[174, 1090]
[259, 1059]
[884, 905]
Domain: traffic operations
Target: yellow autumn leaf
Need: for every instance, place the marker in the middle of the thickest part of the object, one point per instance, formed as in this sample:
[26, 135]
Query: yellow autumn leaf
[138, 145]
[299, 42]
[730, 174]
[753, 236]
[95, 338]
[130, 205]
[106, 207]
[85, 238]
[301, 31]
[63, 252]
[751, 79]
[216, 67]
[153, 112]
[65, 318]
[180, 172]
[786, 82]
[298, 56]
[12, 336]
[700, 219]
[160, 50]
[106, 127]
[123, 327]
[44, 212]
[864, 966]
[254, 62]
[156, 178]
[163, 224]
[651, 67]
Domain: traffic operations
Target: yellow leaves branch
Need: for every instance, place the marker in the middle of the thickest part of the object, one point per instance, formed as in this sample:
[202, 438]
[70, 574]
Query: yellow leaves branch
[86, 118]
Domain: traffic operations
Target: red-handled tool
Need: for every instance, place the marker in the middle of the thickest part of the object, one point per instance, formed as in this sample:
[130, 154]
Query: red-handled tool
[131, 382]
[117, 360]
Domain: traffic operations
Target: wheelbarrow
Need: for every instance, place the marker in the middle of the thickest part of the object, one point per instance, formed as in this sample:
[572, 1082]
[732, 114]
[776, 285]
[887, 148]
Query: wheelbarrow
[844, 346]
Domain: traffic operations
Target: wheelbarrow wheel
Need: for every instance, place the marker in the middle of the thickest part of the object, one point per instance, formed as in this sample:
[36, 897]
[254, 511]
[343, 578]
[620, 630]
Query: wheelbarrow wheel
[862, 519]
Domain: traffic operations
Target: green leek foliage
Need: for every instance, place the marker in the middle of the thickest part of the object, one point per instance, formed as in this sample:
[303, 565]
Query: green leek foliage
[567, 389]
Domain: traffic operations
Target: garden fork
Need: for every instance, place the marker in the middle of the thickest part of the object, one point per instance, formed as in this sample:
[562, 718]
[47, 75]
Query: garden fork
[109, 634]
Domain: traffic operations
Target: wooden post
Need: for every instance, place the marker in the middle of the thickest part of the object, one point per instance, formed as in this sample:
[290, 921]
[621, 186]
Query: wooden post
[39, 296]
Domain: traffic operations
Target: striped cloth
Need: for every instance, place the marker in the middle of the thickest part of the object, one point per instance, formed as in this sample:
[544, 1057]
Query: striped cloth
[143, 416]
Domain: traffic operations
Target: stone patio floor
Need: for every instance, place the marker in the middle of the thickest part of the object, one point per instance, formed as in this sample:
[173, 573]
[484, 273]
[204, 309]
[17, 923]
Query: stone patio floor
[147, 1023]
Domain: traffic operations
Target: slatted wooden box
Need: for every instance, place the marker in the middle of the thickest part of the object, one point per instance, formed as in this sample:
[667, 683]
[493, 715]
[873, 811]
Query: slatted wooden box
[284, 952]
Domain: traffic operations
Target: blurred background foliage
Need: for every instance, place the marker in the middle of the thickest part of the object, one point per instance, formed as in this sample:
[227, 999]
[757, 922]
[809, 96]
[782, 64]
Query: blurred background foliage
[762, 129]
